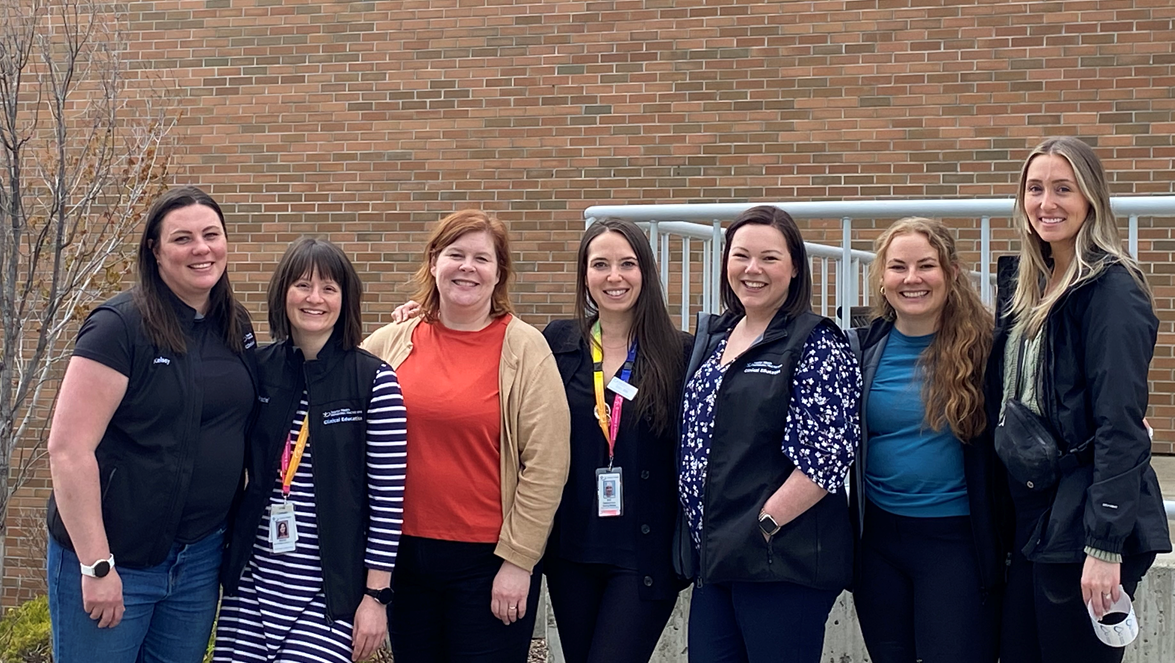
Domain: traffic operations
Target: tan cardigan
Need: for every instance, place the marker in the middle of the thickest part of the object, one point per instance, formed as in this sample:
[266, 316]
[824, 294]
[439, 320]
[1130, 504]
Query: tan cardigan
[536, 430]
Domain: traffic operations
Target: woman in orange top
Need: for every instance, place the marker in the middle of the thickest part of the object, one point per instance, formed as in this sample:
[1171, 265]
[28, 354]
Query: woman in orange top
[488, 432]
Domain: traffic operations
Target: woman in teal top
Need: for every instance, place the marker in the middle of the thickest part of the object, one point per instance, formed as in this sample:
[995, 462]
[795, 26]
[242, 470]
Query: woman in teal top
[930, 557]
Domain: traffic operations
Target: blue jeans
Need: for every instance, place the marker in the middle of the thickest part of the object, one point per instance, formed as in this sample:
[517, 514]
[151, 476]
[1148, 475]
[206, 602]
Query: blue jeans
[169, 608]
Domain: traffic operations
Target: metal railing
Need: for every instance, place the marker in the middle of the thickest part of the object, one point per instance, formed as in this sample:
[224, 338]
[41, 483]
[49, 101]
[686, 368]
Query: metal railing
[703, 223]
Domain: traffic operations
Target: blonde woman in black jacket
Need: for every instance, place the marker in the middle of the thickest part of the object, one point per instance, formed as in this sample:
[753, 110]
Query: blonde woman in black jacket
[1075, 333]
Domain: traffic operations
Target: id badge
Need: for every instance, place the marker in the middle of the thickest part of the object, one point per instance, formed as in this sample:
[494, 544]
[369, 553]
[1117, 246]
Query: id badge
[283, 528]
[624, 389]
[609, 492]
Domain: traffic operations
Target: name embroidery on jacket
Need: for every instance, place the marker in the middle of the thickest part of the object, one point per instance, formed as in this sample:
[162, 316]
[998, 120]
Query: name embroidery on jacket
[341, 415]
[764, 367]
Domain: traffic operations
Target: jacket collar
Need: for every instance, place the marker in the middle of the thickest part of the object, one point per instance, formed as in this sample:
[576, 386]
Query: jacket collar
[726, 321]
[184, 313]
[326, 356]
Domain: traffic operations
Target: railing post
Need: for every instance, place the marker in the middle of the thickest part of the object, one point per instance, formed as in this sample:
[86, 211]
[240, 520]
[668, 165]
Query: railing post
[844, 286]
[985, 259]
[665, 265]
[706, 275]
[1132, 233]
[716, 266]
[824, 287]
[685, 283]
[653, 243]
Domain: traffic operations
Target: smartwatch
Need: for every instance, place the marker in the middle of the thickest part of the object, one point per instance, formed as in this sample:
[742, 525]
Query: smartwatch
[384, 595]
[98, 569]
[768, 524]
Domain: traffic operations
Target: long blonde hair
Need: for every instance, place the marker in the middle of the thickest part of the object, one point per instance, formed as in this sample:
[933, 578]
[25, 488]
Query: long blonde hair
[1098, 243]
[952, 393]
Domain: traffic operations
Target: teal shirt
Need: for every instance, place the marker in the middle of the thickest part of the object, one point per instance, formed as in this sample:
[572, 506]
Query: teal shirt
[911, 470]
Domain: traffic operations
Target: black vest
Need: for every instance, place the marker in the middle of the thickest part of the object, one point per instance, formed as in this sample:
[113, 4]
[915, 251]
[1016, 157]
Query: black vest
[338, 384]
[147, 452]
[746, 466]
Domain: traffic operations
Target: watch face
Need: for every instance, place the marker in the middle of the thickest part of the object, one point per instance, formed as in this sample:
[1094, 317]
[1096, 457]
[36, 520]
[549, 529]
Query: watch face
[384, 595]
[101, 569]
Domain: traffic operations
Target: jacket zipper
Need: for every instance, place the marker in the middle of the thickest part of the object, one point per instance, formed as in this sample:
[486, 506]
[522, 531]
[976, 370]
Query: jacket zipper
[314, 482]
[738, 361]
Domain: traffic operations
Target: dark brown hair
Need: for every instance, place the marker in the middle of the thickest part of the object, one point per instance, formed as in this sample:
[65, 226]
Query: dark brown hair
[659, 368]
[799, 291]
[151, 294]
[304, 258]
[449, 230]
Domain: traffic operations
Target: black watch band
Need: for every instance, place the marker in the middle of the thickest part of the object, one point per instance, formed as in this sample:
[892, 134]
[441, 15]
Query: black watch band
[384, 595]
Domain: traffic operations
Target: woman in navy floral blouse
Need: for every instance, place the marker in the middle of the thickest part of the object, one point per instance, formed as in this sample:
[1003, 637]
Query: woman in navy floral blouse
[769, 429]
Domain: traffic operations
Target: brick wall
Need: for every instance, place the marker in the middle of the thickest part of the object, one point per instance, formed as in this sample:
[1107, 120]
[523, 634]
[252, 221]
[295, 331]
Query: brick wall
[366, 121]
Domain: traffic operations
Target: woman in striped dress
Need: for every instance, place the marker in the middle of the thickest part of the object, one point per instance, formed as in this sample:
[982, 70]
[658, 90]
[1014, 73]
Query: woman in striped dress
[315, 536]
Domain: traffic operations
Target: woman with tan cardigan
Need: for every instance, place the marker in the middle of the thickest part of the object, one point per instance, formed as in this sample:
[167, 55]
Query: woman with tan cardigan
[488, 431]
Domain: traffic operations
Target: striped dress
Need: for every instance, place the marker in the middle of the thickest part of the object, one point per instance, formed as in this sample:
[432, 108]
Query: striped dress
[279, 613]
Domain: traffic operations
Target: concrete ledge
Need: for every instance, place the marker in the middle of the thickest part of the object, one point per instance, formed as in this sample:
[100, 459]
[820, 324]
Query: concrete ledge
[842, 643]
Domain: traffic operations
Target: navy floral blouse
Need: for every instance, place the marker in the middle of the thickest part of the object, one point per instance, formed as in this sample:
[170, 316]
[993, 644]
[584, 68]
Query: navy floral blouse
[822, 425]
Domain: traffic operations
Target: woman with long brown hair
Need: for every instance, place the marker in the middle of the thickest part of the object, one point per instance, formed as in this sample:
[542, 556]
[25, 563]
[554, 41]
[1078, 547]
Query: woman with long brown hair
[609, 562]
[147, 448]
[930, 556]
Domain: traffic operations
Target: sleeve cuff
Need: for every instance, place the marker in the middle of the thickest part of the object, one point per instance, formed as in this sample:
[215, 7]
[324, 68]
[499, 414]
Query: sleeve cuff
[1113, 558]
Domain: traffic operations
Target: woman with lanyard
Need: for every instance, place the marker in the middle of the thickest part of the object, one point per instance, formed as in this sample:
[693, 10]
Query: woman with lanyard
[609, 566]
[608, 563]
[308, 570]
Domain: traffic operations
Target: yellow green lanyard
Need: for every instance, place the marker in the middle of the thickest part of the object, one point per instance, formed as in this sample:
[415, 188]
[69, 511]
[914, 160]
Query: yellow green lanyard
[609, 420]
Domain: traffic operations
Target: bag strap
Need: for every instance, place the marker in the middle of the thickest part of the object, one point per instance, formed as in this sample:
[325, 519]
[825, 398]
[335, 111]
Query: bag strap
[1018, 383]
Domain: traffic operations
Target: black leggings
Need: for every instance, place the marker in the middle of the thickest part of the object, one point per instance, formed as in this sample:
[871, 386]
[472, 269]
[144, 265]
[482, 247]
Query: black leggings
[1045, 619]
[440, 612]
[600, 614]
[918, 596]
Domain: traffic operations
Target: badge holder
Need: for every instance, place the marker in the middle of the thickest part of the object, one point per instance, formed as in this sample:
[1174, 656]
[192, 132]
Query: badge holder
[283, 528]
[609, 492]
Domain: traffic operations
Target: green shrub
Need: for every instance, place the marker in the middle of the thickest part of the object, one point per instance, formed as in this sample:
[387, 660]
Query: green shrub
[25, 634]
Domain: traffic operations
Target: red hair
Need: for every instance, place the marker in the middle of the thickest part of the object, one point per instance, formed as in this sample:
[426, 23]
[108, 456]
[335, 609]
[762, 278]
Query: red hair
[449, 230]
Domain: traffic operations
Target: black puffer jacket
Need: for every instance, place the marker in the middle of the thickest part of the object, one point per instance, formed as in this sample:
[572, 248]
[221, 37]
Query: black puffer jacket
[1097, 350]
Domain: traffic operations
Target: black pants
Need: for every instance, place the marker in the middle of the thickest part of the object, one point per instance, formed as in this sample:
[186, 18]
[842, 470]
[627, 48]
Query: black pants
[758, 622]
[441, 609]
[600, 614]
[1045, 619]
[918, 594]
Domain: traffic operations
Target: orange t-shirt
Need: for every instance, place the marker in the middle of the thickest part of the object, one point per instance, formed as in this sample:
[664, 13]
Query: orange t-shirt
[450, 383]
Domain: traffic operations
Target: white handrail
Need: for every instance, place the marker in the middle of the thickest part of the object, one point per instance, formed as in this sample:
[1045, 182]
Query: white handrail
[703, 222]
[864, 209]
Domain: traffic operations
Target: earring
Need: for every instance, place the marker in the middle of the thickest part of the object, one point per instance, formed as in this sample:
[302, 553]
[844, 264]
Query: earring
[882, 290]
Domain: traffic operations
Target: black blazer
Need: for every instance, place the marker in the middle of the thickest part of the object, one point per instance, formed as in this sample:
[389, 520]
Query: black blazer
[652, 485]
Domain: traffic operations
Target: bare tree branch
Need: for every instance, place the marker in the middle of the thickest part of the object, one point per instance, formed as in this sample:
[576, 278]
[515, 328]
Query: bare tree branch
[82, 154]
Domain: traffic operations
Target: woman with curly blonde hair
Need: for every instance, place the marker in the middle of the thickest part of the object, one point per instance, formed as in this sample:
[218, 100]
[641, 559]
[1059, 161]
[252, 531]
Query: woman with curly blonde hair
[930, 554]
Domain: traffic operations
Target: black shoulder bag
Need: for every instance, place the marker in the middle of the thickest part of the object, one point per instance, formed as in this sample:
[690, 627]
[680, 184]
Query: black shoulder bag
[1024, 442]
